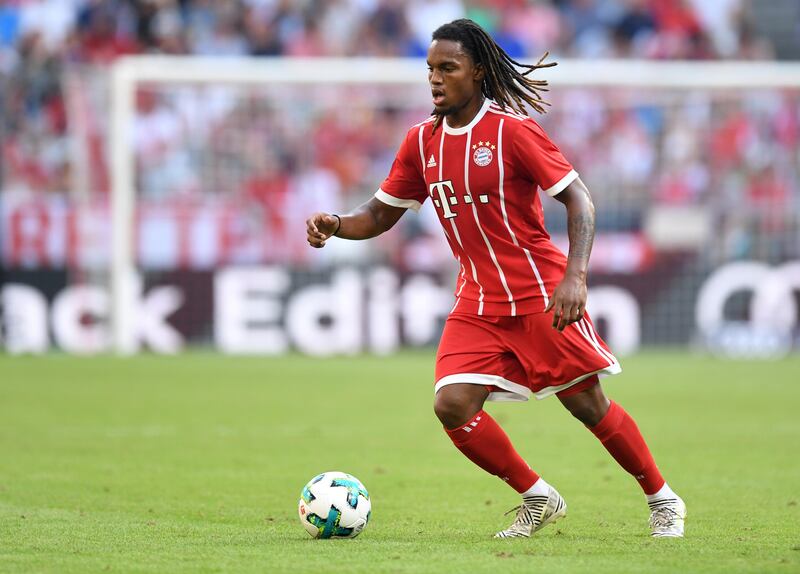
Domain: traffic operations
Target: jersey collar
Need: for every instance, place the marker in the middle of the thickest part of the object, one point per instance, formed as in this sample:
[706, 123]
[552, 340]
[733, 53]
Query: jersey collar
[462, 130]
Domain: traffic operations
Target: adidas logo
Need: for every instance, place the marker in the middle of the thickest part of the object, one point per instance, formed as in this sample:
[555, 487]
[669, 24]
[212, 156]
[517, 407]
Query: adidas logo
[474, 423]
[431, 162]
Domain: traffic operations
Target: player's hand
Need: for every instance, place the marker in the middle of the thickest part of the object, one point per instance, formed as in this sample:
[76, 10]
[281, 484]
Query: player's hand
[320, 227]
[568, 302]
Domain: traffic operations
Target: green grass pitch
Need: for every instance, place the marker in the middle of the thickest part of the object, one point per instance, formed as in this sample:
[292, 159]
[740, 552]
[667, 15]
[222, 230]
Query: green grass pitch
[195, 464]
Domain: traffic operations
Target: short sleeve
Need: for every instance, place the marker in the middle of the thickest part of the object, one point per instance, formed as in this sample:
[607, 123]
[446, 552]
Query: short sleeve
[405, 185]
[540, 160]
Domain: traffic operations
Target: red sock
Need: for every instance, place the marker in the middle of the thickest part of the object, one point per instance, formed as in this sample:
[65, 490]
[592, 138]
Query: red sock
[486, 444]
[621, 437]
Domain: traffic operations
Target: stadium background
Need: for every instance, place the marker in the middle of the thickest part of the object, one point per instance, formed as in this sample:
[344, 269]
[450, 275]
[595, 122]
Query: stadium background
[688, 183]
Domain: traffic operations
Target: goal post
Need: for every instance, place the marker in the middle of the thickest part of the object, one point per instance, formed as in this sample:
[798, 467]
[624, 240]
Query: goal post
[129, 74]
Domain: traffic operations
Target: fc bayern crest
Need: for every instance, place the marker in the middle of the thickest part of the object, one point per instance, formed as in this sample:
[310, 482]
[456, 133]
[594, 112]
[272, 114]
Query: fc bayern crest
[482, 156]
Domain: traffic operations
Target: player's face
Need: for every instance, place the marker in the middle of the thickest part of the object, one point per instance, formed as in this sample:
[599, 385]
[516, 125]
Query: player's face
[454, 78]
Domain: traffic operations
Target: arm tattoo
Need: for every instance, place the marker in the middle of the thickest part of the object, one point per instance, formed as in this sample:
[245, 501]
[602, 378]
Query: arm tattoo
[374, 214]
[580, 228]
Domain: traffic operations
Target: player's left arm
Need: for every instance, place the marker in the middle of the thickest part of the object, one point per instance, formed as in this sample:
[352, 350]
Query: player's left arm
[568, 301]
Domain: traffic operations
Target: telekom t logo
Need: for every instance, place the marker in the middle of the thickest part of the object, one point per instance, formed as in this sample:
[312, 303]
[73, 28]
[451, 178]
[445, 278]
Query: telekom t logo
[444, 200]
[444, 196]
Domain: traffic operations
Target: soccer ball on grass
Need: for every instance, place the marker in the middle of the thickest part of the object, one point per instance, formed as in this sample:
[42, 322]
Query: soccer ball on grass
[334, 505]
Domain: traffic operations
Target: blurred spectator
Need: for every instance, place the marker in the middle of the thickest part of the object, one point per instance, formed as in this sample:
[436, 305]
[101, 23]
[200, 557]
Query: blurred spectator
[102, 33]
[424, 16]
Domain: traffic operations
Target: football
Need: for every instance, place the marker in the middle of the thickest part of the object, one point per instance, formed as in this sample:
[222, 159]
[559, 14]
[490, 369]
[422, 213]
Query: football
[334, 505]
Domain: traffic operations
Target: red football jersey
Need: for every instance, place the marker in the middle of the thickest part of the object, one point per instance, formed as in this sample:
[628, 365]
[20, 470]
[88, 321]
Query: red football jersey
[483, 179]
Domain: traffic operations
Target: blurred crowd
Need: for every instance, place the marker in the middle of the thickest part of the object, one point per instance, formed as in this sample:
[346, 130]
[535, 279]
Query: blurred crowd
[99, 30]
[54, 53]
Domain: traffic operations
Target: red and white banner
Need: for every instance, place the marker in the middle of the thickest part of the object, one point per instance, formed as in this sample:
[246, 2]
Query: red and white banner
[50, 233]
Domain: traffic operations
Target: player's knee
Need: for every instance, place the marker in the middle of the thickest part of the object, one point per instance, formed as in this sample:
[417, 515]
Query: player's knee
[589, 405]
[452, 409]
[590, 414]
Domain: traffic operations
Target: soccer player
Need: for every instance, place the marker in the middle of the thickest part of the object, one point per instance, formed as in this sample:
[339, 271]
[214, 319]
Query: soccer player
[519, 324]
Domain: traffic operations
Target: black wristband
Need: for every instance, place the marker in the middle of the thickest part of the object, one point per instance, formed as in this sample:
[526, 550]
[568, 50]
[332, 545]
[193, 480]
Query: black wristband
[338, 227]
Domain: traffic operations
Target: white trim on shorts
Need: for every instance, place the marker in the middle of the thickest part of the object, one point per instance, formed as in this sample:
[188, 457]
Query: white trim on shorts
[514, 392]
[612, 369]
[511, 391]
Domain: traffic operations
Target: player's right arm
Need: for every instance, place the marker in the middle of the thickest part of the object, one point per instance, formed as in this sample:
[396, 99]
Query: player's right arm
[368, 220]
[404, 188]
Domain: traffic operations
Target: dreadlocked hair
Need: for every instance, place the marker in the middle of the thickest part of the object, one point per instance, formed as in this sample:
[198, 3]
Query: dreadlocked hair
[503, 81]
